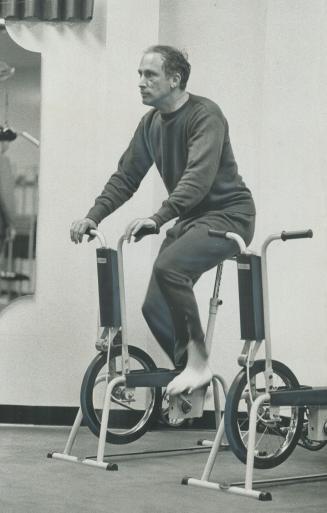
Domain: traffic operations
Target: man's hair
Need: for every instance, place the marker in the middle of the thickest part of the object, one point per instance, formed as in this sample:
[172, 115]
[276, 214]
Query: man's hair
[175, 61]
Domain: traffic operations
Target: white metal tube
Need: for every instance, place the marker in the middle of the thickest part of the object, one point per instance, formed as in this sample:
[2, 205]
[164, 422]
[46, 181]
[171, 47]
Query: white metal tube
[238, 239]
[213, 453]
[30, 138]
[223, 383]
[65, 457]
[92, 463]
[105, 415]
[101, 238]
[206, 443]
[215, 380]
[73, 432]
[224, 488]
[111, 335]
[74, 459]
[125, 355]
[210, 331]
[251, 442]
[216, 400]
[265, 293]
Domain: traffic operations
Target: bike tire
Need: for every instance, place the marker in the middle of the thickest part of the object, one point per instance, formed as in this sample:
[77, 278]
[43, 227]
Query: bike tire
[126, 424]
[275, 440]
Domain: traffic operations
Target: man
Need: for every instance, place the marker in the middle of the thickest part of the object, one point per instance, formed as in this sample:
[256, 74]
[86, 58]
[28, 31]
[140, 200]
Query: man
[187, 137]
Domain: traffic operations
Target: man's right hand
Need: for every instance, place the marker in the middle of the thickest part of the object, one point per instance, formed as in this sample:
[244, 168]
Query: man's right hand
[80, 227]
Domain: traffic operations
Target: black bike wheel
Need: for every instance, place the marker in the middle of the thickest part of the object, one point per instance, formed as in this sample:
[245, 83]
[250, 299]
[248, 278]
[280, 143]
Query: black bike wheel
[276, 437]
[132, 411]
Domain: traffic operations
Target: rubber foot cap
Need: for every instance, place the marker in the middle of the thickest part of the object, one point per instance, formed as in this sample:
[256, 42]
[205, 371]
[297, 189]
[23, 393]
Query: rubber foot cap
[49, 455]
[265, 496]
[185, 480]
[199, 442]
[112, 466]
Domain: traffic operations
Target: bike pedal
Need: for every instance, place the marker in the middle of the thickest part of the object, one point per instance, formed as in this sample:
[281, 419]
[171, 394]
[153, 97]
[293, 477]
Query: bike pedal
[187, 406]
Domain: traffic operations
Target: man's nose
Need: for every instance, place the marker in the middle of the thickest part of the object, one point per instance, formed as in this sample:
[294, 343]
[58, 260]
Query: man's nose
[142, 82]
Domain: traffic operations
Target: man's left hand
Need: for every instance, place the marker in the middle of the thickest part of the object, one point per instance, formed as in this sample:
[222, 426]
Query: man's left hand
[136, 226]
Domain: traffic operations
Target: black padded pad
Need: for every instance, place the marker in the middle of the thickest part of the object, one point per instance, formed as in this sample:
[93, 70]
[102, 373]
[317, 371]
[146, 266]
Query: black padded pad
[316, 396]
[157, 378]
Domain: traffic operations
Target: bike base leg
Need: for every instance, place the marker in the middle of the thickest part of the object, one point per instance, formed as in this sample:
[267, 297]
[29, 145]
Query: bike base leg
[74, 459]
[226, 488]
[99, 462]
[247, 490]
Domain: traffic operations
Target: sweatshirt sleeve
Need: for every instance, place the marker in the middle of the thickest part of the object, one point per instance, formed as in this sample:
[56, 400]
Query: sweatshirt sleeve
[132, 167]
[205, 144]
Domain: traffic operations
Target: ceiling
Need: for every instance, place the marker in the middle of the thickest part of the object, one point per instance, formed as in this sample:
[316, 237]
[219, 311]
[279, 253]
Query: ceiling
[15, 55]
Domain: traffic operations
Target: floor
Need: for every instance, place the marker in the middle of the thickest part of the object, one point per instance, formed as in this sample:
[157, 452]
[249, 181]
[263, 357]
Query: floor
[32, 483]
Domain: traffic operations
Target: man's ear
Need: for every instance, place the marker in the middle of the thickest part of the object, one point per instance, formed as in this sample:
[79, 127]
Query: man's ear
[175, 80]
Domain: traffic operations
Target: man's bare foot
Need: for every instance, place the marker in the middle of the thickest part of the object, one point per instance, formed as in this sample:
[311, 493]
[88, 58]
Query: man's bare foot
[196, 374]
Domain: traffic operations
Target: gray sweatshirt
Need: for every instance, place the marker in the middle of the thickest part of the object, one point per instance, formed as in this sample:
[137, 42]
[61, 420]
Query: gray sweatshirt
[193, 154]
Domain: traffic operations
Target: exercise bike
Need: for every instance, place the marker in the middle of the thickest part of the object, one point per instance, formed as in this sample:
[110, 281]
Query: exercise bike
[122, 389]
[267, 412]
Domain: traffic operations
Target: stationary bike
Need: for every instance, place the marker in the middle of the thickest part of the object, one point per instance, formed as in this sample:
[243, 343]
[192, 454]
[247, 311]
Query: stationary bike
[267, 411]
[121, 392]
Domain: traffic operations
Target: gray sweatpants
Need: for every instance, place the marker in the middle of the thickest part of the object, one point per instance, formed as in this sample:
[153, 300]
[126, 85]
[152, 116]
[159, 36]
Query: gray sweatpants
[170, 307]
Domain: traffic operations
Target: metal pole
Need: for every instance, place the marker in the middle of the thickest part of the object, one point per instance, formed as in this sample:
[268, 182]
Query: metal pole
[251, 443]
[213, 453]
[125, 355]
[73, 432]
[105, 416]
[216, 400]
[265, 293]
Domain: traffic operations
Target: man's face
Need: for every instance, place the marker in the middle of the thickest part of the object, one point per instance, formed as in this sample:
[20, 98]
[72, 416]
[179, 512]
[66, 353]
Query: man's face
[154, 86]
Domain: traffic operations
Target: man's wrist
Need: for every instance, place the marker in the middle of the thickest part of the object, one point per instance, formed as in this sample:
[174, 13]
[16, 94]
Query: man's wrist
[92, 220]
[156, 223]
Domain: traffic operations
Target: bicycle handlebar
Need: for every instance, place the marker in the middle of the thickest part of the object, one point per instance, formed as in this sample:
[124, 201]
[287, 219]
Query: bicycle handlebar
[145, 230]
[229, 235]
[97, 234]
[138, 236]
[217, 233]
[305, 234]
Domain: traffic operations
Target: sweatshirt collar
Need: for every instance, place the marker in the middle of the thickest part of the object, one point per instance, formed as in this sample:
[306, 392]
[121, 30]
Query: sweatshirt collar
[171, 115]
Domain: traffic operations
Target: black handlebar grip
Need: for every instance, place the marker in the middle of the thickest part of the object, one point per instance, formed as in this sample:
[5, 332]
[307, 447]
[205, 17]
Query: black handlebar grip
[217, 233]
[88, 232]
[306, 234]
[146, 230]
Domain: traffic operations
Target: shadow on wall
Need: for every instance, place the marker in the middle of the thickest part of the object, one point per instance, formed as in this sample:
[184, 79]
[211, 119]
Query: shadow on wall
[20, 73]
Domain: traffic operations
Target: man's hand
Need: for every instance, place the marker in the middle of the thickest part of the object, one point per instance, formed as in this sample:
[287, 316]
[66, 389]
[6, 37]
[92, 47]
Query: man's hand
[79, 228]
[148, 225]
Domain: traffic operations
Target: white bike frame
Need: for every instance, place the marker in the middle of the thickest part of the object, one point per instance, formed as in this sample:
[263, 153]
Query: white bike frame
[217, 380]
[247, 490]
